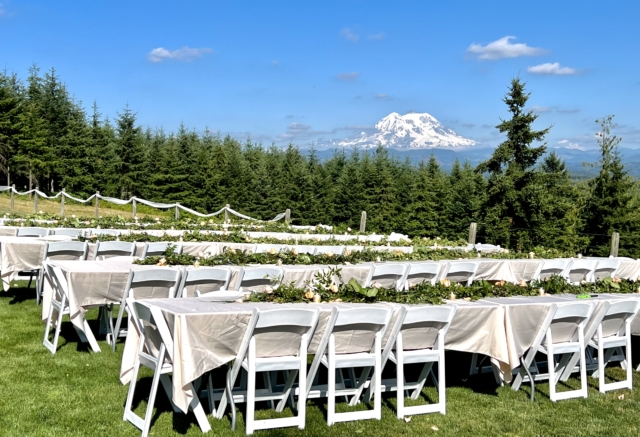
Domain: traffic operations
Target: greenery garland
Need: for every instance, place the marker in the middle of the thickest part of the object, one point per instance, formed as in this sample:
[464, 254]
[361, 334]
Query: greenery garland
[323, 289]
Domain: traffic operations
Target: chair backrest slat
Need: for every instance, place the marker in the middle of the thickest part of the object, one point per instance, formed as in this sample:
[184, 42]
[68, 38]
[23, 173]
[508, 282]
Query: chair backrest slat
[32, 232]
[114, 248]
[59, 249]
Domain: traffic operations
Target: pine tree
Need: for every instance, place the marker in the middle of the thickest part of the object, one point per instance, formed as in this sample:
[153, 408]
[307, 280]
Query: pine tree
[466, 198]
[560, 224]
[423, 218]
[11, 106]
[127, 172]
[610, 207]
[513, 194]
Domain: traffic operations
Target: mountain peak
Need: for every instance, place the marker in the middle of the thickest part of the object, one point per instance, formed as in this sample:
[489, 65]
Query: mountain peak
[410, 131]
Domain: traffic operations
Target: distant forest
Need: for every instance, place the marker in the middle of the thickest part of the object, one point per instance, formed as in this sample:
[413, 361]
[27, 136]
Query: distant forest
[521, 197]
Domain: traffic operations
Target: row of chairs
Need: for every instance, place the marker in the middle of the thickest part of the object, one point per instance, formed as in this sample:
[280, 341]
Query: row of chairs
[76, 250]
[300, 381]
[576, 270]
[576, 337]
[403, 275]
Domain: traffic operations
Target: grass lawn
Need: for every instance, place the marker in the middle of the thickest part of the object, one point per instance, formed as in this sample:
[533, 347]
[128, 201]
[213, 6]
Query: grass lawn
[77, 392]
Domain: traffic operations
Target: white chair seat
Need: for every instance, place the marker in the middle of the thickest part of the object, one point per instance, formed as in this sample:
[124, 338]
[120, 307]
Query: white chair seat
[417, 356]
[275, 363]
[362, 359]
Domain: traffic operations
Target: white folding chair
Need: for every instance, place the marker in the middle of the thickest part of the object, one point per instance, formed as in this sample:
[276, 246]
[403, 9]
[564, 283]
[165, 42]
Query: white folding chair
[268, 248]
[280, 322]
[256, 278]
[425, 328]
[422, 272]
[460, 272]
[71, 232]
[562, 333]
[160, 282]
[388, 275]
[108, 249]
[333, 250]
[304, 249]
[613, 333]
[72, 250]
[207, 281]
[32, 232]
[60, 304]
[159, 248]
[550, 267]
[155, 351]
[579, 270]
[372, 319]
[606, 268]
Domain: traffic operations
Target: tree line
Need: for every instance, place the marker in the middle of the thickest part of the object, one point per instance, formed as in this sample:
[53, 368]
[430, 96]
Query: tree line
[521, 197]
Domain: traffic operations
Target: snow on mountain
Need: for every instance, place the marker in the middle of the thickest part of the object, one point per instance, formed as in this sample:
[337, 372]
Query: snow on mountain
[409, 131]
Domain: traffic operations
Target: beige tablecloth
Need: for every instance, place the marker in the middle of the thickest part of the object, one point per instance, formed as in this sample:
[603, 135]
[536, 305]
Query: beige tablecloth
[19, 254]
[207, 335]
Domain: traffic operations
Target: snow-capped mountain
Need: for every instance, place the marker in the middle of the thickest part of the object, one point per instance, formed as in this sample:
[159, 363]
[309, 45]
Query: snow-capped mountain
[409, 131]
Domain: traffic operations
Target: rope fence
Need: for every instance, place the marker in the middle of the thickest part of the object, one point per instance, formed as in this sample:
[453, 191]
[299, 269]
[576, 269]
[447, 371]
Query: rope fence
[134, 201]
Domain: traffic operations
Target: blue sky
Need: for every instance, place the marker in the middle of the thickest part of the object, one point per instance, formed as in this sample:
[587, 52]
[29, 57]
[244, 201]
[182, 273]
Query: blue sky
[283, 71]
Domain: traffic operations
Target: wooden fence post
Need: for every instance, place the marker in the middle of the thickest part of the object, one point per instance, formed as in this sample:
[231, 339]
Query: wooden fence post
[473, 227]
[13, 188]
[363, 221]
[177, 211]
[226, 213]
[62, 203]
[615, 243]
[35, 201]
[97, 204]
[133, 203]
[287, 216]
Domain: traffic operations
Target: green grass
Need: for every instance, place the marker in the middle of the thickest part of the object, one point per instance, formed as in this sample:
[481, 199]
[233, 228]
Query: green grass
[76, 392]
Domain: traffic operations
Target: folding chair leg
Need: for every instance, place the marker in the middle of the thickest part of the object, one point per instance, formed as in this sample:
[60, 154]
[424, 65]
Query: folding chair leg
[331, 383]
[288, 385]
[426, 369]
[116, 331]
[524, 366]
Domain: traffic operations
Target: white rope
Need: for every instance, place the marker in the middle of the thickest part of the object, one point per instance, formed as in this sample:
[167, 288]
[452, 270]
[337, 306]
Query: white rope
[157, 205]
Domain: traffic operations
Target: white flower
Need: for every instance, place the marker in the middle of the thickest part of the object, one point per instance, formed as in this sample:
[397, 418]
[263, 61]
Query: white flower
[40, 212]
[201, 254]
[268, 289]
[329, 254]
[73, 216]
[196, 264]
[157, 219]
[376, 285]
[348, 229]
[446, 282]
[273, 251]
[333, 288]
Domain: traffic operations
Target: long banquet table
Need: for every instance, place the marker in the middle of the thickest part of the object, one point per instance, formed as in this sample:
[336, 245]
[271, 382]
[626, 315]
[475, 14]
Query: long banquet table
[207, 334]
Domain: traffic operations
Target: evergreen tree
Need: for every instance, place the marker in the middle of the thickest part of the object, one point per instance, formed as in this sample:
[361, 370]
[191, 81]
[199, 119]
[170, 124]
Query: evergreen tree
[514, 196]
[127, 172]
[11, 106]
[609, 207]
[423, 218]
[466, 198]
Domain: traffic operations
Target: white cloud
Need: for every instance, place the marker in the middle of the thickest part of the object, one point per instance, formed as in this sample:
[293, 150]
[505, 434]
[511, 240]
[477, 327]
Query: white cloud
[376, 36]
[186, 54]
[502, 48]
[552, 69]
[349, 34]
[348, 77]
[566, 144]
